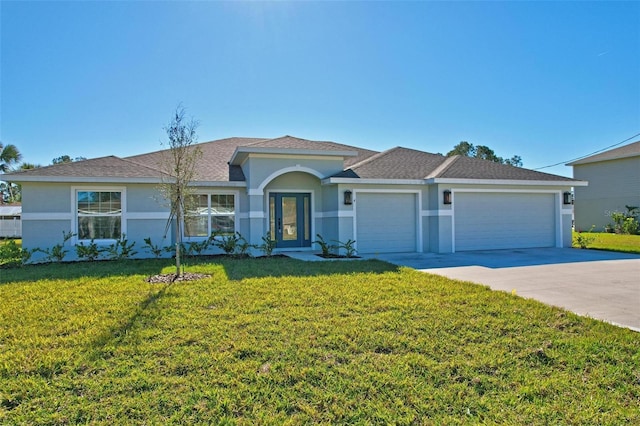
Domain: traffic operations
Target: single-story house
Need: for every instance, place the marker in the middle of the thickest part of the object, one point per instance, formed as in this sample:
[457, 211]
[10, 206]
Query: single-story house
[10, 223]
[398, 200]
[614, 183]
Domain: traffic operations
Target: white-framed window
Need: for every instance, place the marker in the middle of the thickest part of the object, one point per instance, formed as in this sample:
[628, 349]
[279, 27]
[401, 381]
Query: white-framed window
[210, 213]
[99, 213]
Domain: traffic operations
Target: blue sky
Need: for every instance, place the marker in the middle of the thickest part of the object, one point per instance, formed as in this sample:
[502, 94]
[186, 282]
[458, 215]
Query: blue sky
[549, 81]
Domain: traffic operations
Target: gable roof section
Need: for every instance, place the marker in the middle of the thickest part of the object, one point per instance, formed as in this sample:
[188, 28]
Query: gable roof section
[109, 168]
[396, 163]
[215, 155]
[626, 151]
[290, 142]
[476, 168]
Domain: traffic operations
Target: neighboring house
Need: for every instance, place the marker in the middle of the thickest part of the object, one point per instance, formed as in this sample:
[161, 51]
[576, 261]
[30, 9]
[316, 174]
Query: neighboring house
[10, 223]
[614, 182]
[399, 200]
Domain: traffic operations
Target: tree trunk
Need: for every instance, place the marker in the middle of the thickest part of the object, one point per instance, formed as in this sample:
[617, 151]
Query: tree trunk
[178, 239]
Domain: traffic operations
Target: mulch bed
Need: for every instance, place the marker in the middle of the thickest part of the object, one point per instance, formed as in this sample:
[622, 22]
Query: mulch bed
[171, 278]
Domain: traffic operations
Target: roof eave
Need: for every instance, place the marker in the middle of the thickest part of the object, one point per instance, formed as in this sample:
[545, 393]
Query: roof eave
[507, 182]
[587, 161]
[84, 179]
[336, 180]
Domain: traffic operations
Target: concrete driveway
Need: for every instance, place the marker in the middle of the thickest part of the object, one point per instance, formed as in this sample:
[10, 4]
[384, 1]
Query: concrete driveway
[597, 284]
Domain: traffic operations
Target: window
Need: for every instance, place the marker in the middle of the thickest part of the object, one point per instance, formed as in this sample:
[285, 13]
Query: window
[99, 215]
[211, 213]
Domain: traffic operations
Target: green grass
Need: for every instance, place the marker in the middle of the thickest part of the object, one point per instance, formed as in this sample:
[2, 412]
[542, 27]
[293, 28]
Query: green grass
[279, 341]
[612, 242]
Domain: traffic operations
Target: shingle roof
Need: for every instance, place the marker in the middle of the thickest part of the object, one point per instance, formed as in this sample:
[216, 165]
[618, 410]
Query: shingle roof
[298, 143]
[476, 168]
[216, 153]
[395, 163]
[630, 150]
[109, 167]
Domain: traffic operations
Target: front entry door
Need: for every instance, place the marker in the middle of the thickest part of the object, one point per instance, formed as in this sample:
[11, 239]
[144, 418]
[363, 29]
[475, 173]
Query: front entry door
[290, 219]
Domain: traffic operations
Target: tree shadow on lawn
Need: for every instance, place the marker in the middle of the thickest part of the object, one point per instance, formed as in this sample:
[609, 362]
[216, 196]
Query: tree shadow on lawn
[75, 270]
[236, 268]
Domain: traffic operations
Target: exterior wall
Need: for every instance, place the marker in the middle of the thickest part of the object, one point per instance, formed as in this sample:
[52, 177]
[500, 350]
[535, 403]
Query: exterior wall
[49, 211]
[613, 185]
[262, 170]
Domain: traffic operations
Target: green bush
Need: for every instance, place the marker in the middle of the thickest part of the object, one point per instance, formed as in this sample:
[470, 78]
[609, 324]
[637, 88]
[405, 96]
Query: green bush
[12, 255]
[584, 240]
[268, 244]
[630, 226]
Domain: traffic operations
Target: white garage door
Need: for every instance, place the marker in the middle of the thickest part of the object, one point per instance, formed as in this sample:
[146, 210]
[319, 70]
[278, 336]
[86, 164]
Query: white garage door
[503, 220]
[385, 222]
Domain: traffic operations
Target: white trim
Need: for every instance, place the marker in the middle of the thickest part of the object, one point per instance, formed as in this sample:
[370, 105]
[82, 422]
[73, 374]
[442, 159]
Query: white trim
[96, 188]
[418, 212]
[566, 211]
[355, 181]
[236, 214]
[209, 183]
[255, 214]
[439, 213]
[147, 215]
[336, 213]
[272, 176]
[557, 211]
[568, 183]
[47, 216]
[86, 179]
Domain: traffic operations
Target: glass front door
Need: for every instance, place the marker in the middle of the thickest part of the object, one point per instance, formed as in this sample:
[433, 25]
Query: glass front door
[290, 219]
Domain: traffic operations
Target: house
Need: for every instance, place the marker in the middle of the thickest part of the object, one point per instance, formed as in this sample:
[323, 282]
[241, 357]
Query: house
[614, 182]
[398, 200]
[10, 223]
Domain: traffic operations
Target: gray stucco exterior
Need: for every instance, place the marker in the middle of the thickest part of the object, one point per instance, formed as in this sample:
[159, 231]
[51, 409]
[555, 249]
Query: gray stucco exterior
[404, 211]
[613, 184]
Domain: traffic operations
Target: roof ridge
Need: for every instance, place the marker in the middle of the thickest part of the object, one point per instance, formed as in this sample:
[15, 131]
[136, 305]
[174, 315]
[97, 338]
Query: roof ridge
[373, 157]
[448, 162]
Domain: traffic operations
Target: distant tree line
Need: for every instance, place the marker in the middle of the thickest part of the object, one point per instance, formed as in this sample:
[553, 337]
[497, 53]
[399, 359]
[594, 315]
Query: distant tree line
[11, 161]
[467, 149]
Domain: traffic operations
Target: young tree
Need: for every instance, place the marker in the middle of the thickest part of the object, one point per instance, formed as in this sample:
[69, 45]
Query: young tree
[179, 164]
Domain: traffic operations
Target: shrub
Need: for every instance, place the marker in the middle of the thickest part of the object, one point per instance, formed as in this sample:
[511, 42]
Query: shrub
[57, 253]
[584, 241]
[324, 246]
[232, 244]
[154, 249]
[90, 251]
[630, 226]
[348, 247]
[121, 249]
[12, 255]
[268, 244]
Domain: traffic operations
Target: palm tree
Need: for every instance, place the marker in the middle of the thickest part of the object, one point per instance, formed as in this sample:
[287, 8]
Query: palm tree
[9, 156]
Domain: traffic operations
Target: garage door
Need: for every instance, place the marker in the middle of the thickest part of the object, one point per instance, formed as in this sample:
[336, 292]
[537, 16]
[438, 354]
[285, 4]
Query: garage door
[503, 220]
[385, 223]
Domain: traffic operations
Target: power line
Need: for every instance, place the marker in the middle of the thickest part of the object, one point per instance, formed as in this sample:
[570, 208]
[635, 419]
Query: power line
[589, 155]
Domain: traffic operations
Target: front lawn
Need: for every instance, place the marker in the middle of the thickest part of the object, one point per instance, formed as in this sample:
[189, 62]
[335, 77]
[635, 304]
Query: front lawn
[273, 341]
[613, 242]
